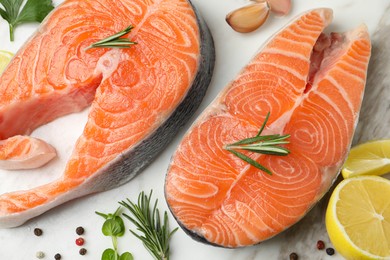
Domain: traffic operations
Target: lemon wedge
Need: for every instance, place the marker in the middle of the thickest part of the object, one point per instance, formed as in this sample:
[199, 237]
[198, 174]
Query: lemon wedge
[358, 218]
[371, 158]
[5, 58]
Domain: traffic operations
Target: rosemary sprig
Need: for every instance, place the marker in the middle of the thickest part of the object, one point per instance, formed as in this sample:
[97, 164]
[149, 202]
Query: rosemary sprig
[115, 41]
[155, 235]
[263, 144]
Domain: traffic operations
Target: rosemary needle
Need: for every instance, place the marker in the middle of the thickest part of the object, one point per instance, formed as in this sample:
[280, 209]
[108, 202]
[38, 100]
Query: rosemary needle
[263, 144]
[115, 40]
[155, 235]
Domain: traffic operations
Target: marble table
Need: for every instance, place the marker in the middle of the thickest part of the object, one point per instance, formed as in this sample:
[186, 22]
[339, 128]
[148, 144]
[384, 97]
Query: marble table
[233, 51]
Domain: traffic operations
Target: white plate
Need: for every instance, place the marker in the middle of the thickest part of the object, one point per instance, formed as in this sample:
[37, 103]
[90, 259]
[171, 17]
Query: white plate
[233, 51]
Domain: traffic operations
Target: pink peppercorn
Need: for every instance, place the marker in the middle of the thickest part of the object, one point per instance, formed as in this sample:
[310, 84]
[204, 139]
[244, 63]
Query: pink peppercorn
[320, 245]
[80, 241]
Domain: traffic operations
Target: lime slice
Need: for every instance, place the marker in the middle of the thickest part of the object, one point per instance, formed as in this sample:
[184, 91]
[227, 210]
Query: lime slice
[371, 158]
[5, 58]
[358, 218]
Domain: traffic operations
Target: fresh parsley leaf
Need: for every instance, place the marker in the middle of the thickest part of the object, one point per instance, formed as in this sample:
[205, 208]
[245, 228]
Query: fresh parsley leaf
[33, 11]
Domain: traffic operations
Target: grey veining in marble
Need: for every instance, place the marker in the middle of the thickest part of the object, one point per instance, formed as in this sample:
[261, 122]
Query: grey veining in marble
[374, 122]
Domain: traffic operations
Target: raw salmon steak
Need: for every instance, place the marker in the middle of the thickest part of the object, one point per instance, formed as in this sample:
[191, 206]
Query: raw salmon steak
[312, 85]
[139, 97]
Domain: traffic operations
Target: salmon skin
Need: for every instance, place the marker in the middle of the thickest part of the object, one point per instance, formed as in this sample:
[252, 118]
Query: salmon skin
[140, 96]
[312, 84]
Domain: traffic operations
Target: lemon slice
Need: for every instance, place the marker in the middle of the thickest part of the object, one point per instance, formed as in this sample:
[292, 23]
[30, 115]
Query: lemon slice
[5, 58]
[358, 218]
[371, 158]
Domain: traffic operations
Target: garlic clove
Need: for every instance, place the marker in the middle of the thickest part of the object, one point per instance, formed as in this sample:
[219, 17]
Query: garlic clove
[279, 7]
[248, 18]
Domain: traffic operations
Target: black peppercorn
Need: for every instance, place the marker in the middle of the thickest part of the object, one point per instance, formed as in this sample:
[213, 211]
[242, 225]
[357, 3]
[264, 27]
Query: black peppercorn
[57, 256]
[330, 251]
[38, 232]
[293, 256]
[79, 231]
[83, 251]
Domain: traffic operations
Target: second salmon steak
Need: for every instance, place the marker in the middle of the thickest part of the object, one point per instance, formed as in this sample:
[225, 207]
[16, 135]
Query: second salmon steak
[311, 84]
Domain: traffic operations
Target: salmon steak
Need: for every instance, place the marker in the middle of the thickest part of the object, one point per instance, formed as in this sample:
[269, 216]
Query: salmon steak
[311, 85]
[139, 97]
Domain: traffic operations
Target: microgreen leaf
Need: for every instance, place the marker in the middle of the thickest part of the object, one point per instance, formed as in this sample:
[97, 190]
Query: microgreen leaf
[117, 211]
[126, 256]
[105, 216]
[263, 144]
[33, 11]
[110, 254]
[113, 227]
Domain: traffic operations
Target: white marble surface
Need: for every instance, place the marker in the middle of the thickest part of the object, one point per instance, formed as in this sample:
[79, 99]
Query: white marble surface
[233, 51]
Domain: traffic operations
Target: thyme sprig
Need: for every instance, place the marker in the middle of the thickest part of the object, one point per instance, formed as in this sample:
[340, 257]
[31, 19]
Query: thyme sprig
[115, 41]
[263, 144]
[154, 235]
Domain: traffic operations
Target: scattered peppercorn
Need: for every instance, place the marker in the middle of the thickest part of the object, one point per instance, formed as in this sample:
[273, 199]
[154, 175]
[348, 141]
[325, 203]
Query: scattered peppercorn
[330, 251]
[83, 251]
[79, 231]
[57, 256]
[80, 241]
[38, 232]
[40, 255]
[320, 245]
[293, 256]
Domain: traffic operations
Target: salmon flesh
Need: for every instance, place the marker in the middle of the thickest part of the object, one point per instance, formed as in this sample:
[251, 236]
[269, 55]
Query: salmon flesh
[312, 84]
[139, 97]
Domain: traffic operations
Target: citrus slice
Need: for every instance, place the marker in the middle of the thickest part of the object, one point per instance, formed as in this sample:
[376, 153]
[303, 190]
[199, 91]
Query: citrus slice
[5, 58]
[358, 218]
[371, 158]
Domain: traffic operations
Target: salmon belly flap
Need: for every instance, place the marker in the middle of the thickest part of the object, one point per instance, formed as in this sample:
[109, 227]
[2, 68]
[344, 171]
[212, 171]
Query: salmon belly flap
[139, 97]
[312, 85]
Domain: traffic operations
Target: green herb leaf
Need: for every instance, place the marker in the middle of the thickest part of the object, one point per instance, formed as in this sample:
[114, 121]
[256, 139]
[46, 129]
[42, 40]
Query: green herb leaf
[117, 212]
[154, 235]
[109, 254]
[33, 11]
[250, 161]
[265, 144]
[113, 227]
[263, 125]
[119, 222]
[126, 256]
[105, 216]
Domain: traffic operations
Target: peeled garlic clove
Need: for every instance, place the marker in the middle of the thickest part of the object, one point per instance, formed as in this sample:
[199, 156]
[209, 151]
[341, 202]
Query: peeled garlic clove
[248, 18]
[280, 7]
